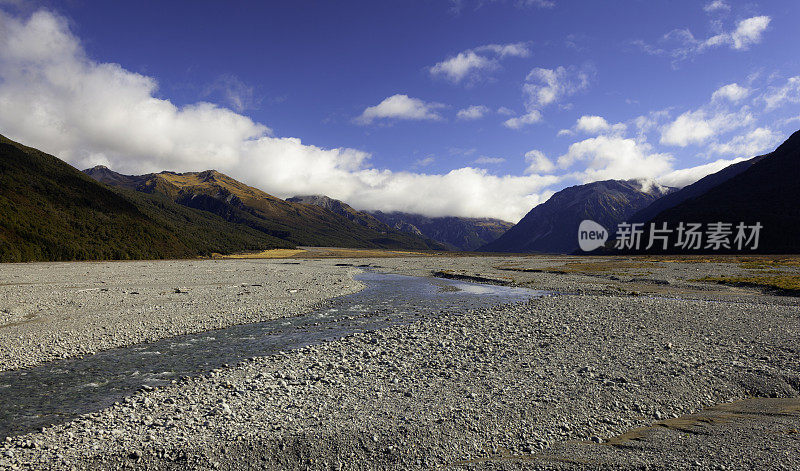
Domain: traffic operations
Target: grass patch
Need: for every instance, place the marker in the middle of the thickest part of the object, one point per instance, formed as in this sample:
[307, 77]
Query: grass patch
[784, 284]
[272, 253]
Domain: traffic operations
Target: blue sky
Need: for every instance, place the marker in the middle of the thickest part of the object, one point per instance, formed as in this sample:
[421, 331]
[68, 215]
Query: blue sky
[470, 108]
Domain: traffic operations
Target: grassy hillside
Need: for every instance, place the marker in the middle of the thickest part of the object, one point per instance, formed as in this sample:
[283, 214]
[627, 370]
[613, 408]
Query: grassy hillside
[51, 211]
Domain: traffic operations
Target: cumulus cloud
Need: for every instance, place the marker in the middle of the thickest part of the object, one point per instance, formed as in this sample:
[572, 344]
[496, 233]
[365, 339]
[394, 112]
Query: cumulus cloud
[731, 92]
[400, 107]
[592, 124]
[546, 86]
[716, 5]
[472, 112]
[699, 126]
[538, 162]
[53, 97]
[519, 121]
[755, 142]
[614, 157]
[681, 43]
[471, 63]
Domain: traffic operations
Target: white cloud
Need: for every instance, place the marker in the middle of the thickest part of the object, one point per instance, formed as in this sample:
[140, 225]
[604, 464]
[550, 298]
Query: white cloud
[472, 112]
[489, 160]
[538, 163]
[400, 107]
[424, 162]
[520, 121]
[592, 124]
[716, 5]
[787, 94]
[470, 63]
[233, 91]
[505, 111]
[687, 176]
[681, 43]
[546, 86]
[55, 98]
[748, 32]
[699, 126]
[732, 92]
[614, 157]
[755, 142]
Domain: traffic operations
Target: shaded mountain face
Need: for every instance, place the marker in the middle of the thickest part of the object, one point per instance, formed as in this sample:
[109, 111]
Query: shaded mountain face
[343, 209]
[236, 202]
[767, 191]
[552, 227]
[692, 191]
[51, 211]
[458, 233]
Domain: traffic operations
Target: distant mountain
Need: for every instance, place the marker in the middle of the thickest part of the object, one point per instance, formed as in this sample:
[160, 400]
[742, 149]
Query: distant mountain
[51, 211]
[767, 191]
[458, 233]
[236, 202]
[552, 227]
[343, 209]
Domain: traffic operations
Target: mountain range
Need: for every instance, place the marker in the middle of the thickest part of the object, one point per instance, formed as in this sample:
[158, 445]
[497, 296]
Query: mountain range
[51, 211]
[552, 227]
[456, 233]
[236, 202]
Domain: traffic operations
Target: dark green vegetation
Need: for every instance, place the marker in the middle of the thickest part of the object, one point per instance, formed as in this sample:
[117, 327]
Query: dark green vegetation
[552, 227]
[456, 232]
[767, 191]
[295, 223]
[51, 211]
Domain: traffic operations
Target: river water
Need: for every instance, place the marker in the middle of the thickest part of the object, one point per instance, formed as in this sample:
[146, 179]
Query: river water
[61, 390]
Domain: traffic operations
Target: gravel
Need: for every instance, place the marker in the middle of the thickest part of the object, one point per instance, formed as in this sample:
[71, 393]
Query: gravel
[64, 310]
[454, 389]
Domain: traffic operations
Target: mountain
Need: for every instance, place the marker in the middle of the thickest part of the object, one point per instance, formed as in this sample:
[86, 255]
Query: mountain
[766, 192]
[343, 209]
[236, 202]
[458, 233]
[552, 227]
[692, 191]
[51, 211]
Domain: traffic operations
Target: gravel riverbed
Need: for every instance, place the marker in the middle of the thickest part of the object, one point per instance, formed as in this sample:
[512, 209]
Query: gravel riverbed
[64, 310]
[453, 389]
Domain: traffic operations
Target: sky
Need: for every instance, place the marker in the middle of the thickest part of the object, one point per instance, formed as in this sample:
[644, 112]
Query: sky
[474, 108]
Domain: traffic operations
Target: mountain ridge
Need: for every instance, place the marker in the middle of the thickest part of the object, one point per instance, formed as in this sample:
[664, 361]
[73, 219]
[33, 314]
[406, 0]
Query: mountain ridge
[51, 211]
[237, 202]
[552, 227]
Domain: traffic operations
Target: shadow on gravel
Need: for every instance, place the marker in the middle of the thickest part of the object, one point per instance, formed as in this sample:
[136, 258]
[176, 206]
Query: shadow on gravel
[755, 433]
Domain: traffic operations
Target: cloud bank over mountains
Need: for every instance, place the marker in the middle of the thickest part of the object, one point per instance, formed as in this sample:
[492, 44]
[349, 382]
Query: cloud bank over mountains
[54, 97]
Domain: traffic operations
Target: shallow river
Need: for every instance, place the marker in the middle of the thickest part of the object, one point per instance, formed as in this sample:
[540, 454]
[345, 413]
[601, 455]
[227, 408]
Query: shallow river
[61, 390]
